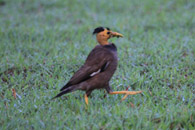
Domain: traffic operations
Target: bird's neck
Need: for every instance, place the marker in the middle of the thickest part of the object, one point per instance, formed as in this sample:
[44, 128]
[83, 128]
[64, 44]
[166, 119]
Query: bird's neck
[102, 41]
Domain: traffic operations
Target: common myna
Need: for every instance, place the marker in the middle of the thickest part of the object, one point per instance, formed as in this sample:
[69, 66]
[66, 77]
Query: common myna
[98, 68]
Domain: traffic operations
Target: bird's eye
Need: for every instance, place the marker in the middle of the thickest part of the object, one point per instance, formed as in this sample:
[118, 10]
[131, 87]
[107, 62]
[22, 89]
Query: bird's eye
[108, 32]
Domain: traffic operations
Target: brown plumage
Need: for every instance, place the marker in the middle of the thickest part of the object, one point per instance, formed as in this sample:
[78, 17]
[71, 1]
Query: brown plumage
[98, 68]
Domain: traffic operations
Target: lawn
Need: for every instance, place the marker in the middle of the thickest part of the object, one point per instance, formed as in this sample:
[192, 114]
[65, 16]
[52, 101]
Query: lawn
[43, 42]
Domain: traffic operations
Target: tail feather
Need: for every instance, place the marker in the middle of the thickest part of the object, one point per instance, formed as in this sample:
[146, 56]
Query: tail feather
[65, 86]
[68, 90]
[71, 89]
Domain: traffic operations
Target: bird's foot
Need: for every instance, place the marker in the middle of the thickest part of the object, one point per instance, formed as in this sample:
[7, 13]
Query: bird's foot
[86, 100]
[126, 93]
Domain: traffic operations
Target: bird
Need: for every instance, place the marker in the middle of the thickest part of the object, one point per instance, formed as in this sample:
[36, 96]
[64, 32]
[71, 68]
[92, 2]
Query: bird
[98, 68]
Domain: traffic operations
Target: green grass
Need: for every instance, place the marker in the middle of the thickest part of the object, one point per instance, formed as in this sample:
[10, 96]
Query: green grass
[43, 42]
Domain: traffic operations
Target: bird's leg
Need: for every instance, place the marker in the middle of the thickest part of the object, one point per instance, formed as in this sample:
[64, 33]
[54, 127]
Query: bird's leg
[88, 93]
[109, 90]
[86, 99]
[126, 93]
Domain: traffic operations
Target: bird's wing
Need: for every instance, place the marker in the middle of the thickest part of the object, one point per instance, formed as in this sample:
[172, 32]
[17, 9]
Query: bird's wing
[96, 62]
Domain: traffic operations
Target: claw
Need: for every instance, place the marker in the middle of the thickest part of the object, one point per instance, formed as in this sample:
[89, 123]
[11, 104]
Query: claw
[124, 97]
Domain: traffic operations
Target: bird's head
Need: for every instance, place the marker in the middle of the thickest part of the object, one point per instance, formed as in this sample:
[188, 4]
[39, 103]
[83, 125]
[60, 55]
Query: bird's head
[103, 34]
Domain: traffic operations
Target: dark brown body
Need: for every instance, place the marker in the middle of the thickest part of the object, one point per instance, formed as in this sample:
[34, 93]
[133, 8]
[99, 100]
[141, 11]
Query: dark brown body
[96, 72]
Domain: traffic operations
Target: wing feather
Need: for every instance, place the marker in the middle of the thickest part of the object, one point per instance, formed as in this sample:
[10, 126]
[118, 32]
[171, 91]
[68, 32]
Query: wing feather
[98, 59]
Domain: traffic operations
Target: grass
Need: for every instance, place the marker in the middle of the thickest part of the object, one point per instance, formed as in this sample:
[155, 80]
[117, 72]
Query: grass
[42, 43]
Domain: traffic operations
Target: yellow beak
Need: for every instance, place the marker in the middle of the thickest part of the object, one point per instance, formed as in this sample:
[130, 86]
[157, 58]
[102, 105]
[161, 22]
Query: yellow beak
[115, 34]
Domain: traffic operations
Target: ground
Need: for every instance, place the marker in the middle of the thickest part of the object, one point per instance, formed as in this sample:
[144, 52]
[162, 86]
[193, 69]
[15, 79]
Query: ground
[43, 42]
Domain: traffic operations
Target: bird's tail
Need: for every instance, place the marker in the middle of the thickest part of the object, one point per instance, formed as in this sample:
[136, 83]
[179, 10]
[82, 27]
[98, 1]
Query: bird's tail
[65, 91]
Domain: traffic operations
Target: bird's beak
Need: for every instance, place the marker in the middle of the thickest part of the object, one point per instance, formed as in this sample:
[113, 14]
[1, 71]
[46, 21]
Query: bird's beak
[115, 34]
